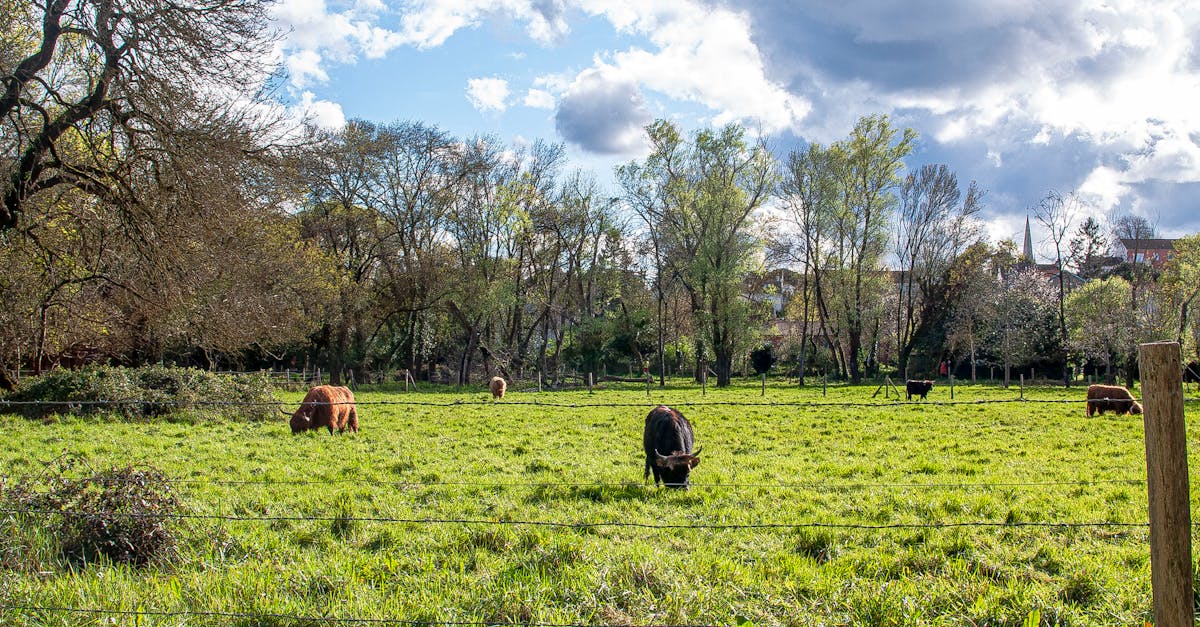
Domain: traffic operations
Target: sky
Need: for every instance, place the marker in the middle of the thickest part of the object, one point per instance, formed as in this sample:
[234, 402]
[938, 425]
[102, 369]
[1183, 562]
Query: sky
[1025, 97]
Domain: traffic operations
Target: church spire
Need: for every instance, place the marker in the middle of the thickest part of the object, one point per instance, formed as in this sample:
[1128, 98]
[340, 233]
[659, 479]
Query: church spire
[1027, 253]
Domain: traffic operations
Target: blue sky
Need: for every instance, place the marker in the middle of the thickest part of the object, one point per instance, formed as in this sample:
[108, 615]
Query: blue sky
[1098, 98]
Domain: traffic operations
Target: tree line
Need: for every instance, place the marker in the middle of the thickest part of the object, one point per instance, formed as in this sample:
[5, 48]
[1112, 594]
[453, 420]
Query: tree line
[159, 207]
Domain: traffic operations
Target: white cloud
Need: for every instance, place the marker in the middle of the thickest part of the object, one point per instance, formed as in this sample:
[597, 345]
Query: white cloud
[488, 94]
[322, 113]
[429, 23]
[304, 68]
[703, 54]
[539, 99]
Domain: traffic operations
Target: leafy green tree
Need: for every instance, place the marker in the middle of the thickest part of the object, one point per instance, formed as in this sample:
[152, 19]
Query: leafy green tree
[868, 166]
[699, 197]
[1100, 326]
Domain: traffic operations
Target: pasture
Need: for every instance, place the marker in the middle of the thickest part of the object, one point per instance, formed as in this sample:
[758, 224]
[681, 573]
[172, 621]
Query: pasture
[529, 510]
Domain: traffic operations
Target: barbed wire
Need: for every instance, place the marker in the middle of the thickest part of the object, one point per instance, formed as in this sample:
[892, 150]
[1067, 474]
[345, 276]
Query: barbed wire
[334, 620]
[811, 485]
[488, 403]
[585, 525]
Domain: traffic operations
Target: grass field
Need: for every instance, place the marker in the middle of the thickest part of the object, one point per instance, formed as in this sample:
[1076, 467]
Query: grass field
[512, 512]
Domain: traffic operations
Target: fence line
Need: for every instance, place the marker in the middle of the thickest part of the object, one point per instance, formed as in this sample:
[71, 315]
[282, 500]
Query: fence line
[589, 525]
[813, 485]
[298, 618]
[489, 403]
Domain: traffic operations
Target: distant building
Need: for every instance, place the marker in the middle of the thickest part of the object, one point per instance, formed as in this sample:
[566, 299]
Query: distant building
[1155, 252]
[1049, 271]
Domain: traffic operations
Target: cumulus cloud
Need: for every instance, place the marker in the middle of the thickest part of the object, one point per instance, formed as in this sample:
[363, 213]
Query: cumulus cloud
[602, 112]
[488, 94]
[322, 113]
[701, 54]
[539, 99]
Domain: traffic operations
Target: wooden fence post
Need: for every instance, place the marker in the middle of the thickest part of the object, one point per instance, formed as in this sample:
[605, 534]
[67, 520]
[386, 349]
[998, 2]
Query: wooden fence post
[951, 387]
[1167, 484]
[764, 384]
[589, 382]
[1022, 386]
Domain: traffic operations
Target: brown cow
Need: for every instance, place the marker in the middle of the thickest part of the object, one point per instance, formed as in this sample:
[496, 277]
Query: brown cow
[497, 386]
[326, 406]
[1101, 398]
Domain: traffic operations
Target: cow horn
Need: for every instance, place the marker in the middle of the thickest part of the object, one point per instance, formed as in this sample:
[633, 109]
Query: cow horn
[697, 453]
[660, 455]
[281, 410]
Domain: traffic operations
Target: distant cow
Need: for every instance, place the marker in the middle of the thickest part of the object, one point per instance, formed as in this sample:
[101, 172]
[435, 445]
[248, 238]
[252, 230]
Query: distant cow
[326, 406]
[497, 386]
[917, 386]
[667, 431]
[1102, 398]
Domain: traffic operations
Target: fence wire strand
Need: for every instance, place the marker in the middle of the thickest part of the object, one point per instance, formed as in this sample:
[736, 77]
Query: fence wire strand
[587, 525]
[331, 620]
[486, 403]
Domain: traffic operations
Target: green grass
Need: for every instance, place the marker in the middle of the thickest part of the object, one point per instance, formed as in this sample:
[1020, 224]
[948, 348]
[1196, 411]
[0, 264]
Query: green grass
[857, 485]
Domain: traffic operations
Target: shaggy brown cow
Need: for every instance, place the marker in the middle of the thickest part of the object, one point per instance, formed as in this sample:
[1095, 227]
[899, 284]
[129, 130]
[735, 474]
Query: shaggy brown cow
[497, 386]
[916, 386]
[326, 406]
[1101, 398]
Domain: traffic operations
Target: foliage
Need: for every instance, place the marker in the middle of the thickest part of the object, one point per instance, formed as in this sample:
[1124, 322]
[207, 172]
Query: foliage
[1100, 325]
[762, 358]
[127, 515]
[149, 392]
[697, 199]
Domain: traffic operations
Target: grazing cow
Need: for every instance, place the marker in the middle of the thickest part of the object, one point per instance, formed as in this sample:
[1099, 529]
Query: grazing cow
[667, 431]
[1101, 398]
[497, 386]
[917, 386]
[326, 406]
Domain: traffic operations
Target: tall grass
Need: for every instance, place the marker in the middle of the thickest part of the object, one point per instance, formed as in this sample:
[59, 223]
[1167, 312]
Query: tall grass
[800, 514]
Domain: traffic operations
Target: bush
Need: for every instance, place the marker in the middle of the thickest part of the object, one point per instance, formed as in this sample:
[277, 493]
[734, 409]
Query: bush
[148, 392]
[762, 358]
[124, 514]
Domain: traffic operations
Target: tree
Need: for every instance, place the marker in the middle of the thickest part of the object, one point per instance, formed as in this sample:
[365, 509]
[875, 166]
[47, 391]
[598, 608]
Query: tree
[933, 231]
[869, 163]
[1025, 324]
[101, 87]
[808, 192]
[1100, 327]
[1181, 286]
[1089, 249]
[1132, 230]
[701, 196]
[1055, 212]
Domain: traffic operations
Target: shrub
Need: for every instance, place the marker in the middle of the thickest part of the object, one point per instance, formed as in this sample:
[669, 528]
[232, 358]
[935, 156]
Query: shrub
[124, 514]
[149, 392]
[762, 358]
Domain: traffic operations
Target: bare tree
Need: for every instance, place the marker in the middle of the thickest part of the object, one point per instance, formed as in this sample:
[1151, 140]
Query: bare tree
[933, 230]
[111, 84]
[1056, 213]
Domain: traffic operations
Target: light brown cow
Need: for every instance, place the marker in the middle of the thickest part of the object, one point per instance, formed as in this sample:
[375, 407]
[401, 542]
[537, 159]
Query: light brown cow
[497, 386]
[326, 406]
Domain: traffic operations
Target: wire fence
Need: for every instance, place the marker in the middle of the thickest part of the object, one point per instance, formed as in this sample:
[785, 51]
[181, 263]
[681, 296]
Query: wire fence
[302, 619]
[488, 403]
[722, 526]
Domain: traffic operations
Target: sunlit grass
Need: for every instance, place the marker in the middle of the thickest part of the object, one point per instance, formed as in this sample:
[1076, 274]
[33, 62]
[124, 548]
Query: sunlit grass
[801, 514]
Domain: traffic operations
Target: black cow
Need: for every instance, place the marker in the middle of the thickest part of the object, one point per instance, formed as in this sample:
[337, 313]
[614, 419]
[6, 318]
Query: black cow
[917, 386]
[667, 431]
